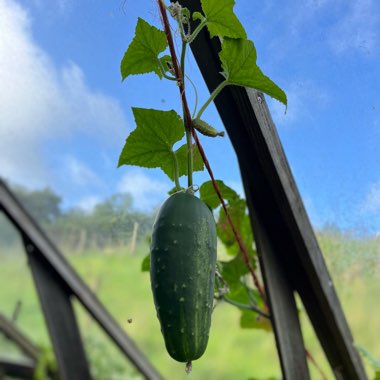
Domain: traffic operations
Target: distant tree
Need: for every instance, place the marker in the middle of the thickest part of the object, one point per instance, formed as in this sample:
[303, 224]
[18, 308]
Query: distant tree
[43, 205]
[110, 224]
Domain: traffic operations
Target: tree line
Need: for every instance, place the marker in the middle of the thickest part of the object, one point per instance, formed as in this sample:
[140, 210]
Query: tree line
[112, 223]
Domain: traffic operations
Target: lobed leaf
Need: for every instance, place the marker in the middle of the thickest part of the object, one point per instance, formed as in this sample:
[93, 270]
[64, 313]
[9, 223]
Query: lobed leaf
[251, 320]
[181, 154]
[142, 54]
[232, 271]
[221, 20]
[209, 196]
[238, 57]
[150, 145]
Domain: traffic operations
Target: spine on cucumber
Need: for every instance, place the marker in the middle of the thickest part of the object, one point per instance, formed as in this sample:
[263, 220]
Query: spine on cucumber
[183, 259]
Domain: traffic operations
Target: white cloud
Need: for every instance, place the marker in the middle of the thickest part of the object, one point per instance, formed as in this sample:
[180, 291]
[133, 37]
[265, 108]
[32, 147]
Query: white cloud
[88, 203]
[147, 192]
[371, 203]
[79, 173]
[358, 29]
[40, 102]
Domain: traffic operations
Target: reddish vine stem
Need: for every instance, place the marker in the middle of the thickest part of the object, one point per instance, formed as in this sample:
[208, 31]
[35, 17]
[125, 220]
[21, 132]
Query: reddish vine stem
[319, 369]
[238, 238]
[177, 70]
[180, 79]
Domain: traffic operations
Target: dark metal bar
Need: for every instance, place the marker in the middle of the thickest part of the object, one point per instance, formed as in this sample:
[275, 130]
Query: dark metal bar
[11, 332]
[63, 270]
[59, 315]
[276, 209]
[284, 313]
[17, 369]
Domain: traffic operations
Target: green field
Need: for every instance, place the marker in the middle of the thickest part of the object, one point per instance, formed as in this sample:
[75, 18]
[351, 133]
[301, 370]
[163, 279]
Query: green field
[233, 353]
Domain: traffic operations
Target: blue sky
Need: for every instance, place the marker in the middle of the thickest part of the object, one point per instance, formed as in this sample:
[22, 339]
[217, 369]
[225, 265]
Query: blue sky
[65, 114]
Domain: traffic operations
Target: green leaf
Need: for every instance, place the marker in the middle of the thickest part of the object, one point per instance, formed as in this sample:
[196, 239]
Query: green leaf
[142, 54]
[237, 211]
[145, 264]
[375, 363]
[150, 145]
[221, 20]
[238, 58]
[165, 61]
[181, 154]
[245, 295]
[209, 196]
[232, 271]
[251, 320]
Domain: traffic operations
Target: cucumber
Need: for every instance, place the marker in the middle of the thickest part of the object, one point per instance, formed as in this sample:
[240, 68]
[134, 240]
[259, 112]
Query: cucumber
[182, 271]
[205, 128]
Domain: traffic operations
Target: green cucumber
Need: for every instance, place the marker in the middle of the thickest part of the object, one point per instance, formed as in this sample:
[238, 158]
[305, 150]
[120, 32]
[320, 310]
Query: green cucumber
[205, 128]
[182, 271]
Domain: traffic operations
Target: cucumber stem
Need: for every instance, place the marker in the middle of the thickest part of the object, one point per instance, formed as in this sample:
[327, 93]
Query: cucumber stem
[190, 164]
[189, 157]
[212, 97]
[176, 172]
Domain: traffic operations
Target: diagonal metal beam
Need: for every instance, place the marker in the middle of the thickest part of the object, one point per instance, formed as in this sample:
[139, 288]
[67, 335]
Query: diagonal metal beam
[19, 369]
[11, 332]
[59, 315]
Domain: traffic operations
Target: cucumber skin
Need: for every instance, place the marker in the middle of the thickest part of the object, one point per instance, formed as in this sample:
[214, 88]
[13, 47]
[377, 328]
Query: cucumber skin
[182, 271]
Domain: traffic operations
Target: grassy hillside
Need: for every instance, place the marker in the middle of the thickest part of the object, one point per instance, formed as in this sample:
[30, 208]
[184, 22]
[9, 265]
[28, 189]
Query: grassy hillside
[233, 353]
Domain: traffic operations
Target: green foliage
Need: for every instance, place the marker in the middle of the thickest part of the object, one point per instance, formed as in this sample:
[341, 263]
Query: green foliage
[142, 54]
[251, 320]
[375, 363]
[237, 209]
[109, 224]
[210, 197]
[145, 264]
[151, 144]
[46, 367]
[232, 272]
[238, 212]
[220, 19]
[43, 205]
[238, 57]
[181, 154]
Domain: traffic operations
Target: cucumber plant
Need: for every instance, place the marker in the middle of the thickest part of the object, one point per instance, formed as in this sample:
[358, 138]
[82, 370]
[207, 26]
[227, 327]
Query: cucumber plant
[183, 246]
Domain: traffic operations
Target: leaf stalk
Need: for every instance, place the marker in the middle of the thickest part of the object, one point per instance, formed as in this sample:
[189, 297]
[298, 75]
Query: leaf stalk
[194, 35]
[213, 95]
